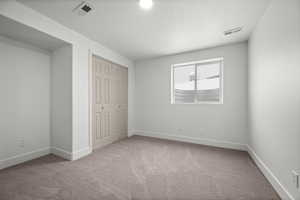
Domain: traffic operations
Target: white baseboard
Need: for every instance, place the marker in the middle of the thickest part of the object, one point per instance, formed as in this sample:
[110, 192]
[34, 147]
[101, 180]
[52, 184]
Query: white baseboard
[280, 189]
[42, 152]
[130, 133]
[81, 153]
[61, 153]
[203, 141]
[23, 157]
[70, 155]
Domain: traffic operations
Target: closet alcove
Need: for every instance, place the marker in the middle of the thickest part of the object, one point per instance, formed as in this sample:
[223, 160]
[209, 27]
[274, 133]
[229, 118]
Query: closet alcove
[36, 93]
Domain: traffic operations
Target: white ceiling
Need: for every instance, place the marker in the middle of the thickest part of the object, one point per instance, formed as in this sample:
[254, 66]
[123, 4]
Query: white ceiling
[20, 32]
[172, 26]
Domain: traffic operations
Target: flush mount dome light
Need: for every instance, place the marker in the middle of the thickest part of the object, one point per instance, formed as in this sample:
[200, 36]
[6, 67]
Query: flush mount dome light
[146, 4]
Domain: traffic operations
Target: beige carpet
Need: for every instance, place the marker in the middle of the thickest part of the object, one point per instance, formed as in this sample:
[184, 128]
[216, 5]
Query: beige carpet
[140, 168]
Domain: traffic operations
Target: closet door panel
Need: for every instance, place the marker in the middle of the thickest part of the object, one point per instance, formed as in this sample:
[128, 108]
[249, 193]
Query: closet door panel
[110, 85]
[98, 115]
[99, 126]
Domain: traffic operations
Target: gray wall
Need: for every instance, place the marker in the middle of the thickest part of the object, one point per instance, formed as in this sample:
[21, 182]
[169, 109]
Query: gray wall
[225, 122]
[274, 90]
[25, 99]
[61, 99]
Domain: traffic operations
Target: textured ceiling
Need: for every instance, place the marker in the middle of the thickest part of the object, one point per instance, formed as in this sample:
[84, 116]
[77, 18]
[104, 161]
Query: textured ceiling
[172, 26]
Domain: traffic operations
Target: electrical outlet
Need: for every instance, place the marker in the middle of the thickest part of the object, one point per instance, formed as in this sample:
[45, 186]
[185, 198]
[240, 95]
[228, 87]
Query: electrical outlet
[296, 179]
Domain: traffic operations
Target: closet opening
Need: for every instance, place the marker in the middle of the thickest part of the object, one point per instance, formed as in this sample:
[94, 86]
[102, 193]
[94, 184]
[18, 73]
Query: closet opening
[36, 94]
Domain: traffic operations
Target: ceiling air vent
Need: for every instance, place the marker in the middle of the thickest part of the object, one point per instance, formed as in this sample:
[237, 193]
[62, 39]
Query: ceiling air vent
[83, 8]
[231, 31]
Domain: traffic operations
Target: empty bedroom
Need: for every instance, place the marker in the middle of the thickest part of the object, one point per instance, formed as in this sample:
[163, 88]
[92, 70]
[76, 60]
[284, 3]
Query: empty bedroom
[150, 100]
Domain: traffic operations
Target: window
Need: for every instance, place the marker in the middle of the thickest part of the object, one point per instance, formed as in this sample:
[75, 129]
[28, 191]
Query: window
[197, 82]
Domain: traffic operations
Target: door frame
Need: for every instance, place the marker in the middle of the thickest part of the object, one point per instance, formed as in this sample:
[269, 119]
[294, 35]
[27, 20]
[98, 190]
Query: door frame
[90, 97]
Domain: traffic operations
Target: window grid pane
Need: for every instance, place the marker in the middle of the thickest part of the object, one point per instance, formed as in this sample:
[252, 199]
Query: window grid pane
[208, 82]
[184, 84]
[197, 83]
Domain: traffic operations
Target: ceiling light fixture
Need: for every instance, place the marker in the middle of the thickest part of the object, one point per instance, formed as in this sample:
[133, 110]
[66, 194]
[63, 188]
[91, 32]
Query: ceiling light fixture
[146, 4]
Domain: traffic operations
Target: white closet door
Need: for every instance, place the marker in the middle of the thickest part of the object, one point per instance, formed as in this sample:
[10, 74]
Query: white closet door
[109, 114]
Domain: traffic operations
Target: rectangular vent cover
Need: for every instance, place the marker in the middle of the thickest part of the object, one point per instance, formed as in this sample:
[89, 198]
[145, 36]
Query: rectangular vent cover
[83, 8]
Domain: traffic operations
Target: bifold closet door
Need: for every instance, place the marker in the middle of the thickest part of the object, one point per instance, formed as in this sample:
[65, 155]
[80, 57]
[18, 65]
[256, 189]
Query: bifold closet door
[110, 88]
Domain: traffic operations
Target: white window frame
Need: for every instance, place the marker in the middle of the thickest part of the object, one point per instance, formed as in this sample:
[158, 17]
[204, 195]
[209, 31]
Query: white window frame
[221, 60]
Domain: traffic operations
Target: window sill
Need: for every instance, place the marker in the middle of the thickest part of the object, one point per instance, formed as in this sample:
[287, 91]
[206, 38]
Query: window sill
[200, 103]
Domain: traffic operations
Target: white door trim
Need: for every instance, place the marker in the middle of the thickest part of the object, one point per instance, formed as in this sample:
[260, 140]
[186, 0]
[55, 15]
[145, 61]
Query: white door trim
[90, 63]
